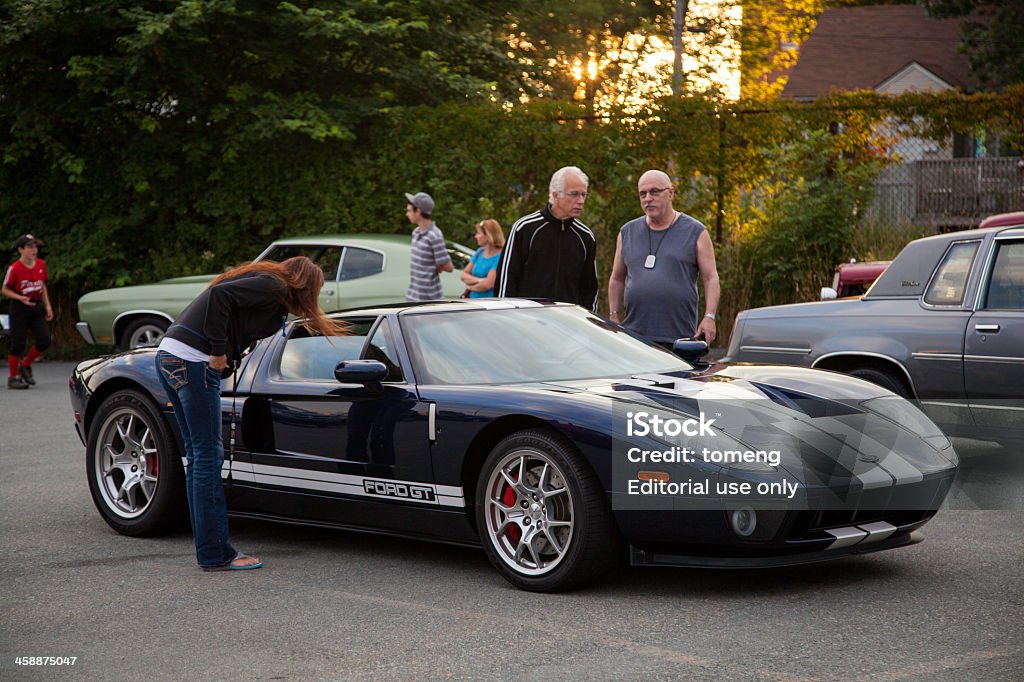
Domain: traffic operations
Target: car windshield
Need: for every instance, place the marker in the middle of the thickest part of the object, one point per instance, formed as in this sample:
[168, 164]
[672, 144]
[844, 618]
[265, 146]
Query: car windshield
[551, 343]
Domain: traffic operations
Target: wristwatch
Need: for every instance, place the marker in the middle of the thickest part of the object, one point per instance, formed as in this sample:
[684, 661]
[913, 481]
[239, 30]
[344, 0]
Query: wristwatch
[710, 316]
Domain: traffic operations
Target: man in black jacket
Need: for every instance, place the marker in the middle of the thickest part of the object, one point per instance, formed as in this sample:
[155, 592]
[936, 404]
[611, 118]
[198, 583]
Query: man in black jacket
[550, 253]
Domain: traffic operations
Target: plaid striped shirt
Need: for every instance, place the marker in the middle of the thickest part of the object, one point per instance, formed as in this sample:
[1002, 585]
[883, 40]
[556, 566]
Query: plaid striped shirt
[428, 252]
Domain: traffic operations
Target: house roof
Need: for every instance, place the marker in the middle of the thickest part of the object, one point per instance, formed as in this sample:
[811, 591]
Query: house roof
[860, 48]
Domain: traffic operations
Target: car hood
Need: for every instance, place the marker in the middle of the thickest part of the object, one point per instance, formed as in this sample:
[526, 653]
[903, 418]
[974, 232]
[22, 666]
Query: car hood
[731, 382]
[157, 291]
[816, 419]
[191, 279]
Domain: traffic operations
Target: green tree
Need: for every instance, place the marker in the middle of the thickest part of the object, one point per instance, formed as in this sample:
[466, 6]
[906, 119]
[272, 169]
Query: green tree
[140, 134]
[991, 37]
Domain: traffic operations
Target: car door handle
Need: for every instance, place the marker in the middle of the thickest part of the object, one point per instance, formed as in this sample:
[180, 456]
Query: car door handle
[328, 293]
[986, 328]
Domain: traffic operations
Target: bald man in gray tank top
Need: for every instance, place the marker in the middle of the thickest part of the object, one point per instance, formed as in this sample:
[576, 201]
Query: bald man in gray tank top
[653, 287]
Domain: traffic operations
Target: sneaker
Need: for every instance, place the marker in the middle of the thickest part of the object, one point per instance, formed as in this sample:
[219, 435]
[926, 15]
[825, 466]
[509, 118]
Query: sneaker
[25, 373]
[16, 382]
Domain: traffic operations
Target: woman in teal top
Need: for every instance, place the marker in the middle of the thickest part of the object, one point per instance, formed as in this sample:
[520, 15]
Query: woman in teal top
[479, 274]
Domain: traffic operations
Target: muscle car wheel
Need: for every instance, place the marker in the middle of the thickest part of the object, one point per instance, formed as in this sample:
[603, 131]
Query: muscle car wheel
[144, 332]
[544, 518]
[133, 466]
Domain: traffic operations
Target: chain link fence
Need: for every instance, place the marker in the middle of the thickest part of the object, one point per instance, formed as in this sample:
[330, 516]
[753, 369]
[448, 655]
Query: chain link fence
[926, 184]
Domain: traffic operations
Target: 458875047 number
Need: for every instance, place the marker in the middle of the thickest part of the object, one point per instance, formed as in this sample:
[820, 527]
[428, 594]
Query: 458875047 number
[45, 660]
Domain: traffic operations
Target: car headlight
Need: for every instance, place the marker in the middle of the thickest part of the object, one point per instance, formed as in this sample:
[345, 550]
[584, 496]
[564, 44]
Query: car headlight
[906, 414]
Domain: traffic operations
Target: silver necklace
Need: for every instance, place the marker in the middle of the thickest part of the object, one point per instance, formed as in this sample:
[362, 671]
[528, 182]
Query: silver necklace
[652, 253]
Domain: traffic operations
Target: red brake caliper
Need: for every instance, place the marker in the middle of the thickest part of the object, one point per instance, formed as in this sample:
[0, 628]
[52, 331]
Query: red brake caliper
[513, 532]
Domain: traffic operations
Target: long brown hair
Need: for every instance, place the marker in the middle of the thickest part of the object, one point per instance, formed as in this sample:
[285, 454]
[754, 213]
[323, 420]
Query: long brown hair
[303, 279]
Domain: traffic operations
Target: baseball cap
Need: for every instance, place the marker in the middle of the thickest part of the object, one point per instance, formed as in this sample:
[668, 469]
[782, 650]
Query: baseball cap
[26, 239]
[421, 200]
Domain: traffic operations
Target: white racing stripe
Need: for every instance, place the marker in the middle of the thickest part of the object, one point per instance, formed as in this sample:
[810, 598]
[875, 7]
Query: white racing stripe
[691, 388]
[360, 486]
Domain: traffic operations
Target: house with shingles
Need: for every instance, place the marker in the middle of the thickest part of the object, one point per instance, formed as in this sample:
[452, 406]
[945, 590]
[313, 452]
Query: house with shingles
[896, 49]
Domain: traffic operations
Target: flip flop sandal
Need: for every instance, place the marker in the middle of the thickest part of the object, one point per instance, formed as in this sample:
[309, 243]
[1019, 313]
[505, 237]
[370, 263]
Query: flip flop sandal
[230, 566]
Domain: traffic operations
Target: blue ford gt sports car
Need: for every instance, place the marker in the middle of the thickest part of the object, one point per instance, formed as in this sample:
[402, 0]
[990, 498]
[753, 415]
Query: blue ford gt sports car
[550, 436]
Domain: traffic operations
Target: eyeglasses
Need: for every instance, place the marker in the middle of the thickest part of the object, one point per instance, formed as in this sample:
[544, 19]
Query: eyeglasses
[575, 195]
[655, 193]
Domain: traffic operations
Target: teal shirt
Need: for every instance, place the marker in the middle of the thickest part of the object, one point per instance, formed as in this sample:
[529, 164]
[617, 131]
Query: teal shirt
[481, 267]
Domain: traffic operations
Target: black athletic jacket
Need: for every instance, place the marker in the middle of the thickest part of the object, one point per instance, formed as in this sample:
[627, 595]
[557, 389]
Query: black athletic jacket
[549, 258]
[232, 314]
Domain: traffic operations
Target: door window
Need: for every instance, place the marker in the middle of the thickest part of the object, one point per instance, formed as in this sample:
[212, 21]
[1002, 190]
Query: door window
[382, 348]
[1006, 286]
[361, 263]
[313, 358]
[326, 257]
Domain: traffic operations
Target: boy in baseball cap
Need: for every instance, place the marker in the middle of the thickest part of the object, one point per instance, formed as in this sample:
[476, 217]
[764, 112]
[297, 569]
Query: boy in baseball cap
[25, 285]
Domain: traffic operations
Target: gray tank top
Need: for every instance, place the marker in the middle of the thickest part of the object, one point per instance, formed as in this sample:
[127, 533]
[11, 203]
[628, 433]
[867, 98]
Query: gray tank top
[661, 301]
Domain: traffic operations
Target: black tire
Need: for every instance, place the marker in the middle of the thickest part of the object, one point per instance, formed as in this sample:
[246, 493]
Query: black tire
[565, 536]
[134, 468]
[882, 378]
[143, 332]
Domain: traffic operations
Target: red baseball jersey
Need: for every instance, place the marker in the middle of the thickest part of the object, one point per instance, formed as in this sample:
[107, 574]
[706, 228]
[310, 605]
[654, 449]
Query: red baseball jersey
[27, 281]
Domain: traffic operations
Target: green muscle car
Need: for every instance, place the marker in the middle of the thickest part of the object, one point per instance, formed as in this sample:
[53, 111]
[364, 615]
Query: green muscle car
[359, 270]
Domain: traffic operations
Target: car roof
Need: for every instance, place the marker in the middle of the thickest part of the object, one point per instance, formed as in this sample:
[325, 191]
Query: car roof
[1015, 219]
[353, 238]
[910, 270]
[394, 243]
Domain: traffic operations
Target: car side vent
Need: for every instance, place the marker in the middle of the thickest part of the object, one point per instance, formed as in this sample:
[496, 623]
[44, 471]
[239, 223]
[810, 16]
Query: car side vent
[258, 432]
[810, 405]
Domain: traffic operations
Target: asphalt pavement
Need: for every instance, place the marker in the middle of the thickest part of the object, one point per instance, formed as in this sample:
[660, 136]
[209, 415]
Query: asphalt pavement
[340, 605]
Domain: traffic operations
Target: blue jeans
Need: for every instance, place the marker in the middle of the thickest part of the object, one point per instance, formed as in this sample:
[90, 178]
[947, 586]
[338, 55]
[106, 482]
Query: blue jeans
[194, 391]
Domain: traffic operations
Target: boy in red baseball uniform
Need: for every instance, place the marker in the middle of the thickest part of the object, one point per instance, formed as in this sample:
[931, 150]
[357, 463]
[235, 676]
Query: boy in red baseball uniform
[25, 285]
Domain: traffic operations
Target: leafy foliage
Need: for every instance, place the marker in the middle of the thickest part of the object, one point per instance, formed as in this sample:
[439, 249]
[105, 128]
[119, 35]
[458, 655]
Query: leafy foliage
[992, 38]
[800, 220]
[767, 25]
[205, 127]
[158, 138]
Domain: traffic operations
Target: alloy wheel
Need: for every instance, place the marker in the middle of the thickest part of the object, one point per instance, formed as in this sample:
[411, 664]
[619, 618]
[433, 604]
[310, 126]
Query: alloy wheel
[529, 512]
[126, 463]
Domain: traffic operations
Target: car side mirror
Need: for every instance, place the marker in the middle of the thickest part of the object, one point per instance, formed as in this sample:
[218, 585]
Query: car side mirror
[828, 294]
[691, 350]
[360, 372]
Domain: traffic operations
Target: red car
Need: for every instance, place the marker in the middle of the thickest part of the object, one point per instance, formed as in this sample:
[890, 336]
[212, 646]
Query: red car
[853, 279]
[1014, 219]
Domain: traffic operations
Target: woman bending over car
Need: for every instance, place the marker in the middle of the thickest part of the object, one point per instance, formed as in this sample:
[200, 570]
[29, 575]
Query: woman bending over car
[245, 304]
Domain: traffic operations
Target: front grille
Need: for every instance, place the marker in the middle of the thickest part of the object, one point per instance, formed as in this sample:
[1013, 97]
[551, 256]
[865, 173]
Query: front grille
[811, 524]
[903, 505]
